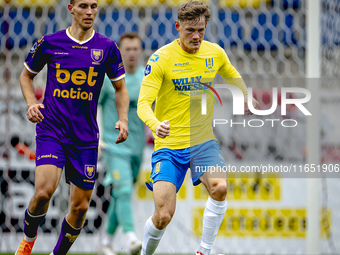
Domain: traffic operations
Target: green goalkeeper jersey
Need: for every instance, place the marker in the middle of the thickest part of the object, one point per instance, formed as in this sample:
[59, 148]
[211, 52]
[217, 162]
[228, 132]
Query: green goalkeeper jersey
[135, 143]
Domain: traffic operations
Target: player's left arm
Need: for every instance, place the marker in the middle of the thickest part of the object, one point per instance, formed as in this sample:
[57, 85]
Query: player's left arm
[122, 104]
[233, 77]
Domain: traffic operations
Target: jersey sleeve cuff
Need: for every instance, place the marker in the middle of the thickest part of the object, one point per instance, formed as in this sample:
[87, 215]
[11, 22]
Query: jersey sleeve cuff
[29, 69]
[154, 126]
[118, 78]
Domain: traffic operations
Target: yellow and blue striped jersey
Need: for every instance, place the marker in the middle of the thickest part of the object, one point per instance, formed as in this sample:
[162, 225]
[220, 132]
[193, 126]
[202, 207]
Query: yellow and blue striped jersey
[174, 78]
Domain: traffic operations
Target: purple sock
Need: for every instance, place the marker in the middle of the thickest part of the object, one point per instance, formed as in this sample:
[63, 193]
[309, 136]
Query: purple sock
[66, 238]
[31, 223]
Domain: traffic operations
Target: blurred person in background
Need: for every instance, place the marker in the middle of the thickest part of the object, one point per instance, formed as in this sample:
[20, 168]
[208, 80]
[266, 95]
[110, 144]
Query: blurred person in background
[184, 138]
[67, 132]
[122, 162]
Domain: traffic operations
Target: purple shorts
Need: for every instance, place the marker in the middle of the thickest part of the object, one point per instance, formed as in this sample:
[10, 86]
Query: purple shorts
[80, 162]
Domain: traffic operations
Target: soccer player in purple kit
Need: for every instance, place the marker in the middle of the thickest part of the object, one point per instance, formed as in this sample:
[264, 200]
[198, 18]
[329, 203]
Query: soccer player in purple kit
[67, 131]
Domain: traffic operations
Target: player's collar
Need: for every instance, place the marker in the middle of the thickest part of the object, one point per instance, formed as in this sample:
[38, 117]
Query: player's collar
[76, 40]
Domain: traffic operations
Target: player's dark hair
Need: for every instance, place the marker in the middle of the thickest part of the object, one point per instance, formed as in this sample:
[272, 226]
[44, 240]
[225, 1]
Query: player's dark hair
[130, 35]
[72, 2]
[192, 10]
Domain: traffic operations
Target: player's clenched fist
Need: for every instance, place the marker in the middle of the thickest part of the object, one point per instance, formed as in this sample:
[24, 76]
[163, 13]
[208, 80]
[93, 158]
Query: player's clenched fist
[163, 129]
[122, 126]
[34, 114]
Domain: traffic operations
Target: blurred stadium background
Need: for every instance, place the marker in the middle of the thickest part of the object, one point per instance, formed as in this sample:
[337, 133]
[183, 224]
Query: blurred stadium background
[266, 42]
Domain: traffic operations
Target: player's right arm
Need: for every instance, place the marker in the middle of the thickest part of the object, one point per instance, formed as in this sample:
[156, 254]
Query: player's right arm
[150, 87]
[34, 63]
[26, 84]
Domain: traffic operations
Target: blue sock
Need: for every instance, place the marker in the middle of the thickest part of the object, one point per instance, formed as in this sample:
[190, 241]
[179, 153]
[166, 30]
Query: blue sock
[31, 224]
[67, 237]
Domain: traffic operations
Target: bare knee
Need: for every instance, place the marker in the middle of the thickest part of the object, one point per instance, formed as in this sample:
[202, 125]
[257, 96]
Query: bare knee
[218, 190]
[166, 217]
[79, 210]
[163, 218]
[42, 196]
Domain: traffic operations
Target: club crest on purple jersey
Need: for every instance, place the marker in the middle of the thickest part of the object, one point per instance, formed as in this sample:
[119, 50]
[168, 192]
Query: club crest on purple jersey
[34, 47]
[96, 55]
[90, 171]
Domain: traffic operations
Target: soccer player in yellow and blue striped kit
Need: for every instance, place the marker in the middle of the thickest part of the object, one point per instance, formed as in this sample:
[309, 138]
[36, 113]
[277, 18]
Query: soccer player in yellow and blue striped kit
[183, 136]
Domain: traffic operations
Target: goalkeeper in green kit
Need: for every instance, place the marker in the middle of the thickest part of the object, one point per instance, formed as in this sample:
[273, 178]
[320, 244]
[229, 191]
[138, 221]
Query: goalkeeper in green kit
[122, 161]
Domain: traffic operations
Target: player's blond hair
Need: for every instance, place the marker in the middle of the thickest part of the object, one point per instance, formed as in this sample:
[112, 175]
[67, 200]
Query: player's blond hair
[192, 10]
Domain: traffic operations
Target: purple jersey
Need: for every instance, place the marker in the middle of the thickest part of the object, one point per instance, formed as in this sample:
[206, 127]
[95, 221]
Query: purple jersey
[75, 75]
